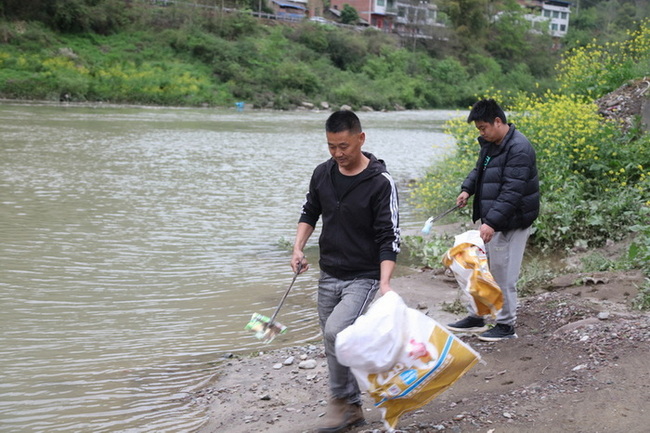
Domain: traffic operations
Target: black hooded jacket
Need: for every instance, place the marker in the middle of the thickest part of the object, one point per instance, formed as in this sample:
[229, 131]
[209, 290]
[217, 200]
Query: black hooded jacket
[505, 186]
[361, 228]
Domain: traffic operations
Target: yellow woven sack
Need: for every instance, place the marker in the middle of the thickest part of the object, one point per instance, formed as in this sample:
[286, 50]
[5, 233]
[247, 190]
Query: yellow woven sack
[469, 263]
[431, 359]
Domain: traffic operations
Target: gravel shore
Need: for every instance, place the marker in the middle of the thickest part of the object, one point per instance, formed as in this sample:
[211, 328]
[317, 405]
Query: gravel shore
[580, 365]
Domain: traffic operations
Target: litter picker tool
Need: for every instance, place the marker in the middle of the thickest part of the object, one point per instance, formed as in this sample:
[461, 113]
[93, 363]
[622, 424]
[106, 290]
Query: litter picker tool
[429, 223]
[266, 329]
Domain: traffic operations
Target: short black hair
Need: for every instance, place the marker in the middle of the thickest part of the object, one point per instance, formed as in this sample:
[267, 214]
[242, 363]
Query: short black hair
[486, 110]
[343, 120]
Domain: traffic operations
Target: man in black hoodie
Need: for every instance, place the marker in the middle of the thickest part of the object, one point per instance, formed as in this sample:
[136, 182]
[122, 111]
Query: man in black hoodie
[505, 187]
[360, 238]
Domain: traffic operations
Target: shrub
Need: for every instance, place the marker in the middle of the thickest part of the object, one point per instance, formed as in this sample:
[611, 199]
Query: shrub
[312, 35]
[572, 217]
[353, 90]
[616, 63]
[347, 53]
[591, 188]
[428, 252]
[294, 75]
[639, 257]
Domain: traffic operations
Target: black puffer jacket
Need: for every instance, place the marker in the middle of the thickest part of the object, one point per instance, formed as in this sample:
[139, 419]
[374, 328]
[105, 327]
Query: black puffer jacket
[361, 228]
[506, 188]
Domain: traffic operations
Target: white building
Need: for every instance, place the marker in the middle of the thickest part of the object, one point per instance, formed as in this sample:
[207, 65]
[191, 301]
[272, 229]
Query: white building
[557, 12]
[554, 12]
[415, 17]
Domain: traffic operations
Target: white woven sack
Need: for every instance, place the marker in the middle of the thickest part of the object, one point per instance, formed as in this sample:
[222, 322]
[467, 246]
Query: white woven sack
[375, 341]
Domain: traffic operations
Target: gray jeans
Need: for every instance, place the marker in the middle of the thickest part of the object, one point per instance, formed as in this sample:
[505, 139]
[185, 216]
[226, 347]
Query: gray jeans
[505, 254]
[340, 302]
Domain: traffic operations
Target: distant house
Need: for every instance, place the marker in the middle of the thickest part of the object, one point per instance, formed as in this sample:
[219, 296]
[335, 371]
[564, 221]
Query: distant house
[290, 9]
[557, 12]
[401, 16]
[378, 13]
[414, 18]
[554, 13]
[334, 14]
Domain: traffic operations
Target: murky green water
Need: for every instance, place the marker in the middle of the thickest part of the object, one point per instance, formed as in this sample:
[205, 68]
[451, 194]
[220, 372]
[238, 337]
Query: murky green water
[136, 242]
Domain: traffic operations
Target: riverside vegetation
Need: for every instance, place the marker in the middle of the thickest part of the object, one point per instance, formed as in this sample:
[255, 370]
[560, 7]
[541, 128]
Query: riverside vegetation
[224, 59]
[595, 176]
[175, 53]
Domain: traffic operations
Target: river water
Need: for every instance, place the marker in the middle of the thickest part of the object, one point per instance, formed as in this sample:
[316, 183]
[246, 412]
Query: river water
[135, 243]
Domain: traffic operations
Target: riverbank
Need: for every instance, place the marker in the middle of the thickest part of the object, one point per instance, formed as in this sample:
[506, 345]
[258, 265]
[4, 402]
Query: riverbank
[579, 365]
[216, 56]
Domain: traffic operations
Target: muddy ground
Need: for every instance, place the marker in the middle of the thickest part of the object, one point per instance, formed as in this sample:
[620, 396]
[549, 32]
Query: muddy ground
[580, 364]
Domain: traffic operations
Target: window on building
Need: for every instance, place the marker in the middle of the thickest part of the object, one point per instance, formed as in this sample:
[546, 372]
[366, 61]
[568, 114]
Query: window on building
[563, 27]
[554, 27]
[556, 14]
[563, 15]
[381, 2]
[547, 14]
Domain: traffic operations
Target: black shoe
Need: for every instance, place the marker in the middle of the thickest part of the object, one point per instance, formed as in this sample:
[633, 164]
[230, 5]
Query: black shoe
[468, 324]
[498, 333]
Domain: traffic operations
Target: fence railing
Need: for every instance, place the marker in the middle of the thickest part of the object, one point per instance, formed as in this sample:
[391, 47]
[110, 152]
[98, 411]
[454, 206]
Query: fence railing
[283, 16]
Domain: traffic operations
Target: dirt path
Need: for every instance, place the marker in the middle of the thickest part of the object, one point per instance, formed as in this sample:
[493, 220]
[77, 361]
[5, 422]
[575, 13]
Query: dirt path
[580, 365]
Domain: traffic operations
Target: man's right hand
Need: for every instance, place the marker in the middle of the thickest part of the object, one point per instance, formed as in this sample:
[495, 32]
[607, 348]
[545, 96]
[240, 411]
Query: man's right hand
[299, 262]
[461, 200]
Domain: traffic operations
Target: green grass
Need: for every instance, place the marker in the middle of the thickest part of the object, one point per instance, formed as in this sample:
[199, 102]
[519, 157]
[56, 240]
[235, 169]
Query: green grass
[176, 56]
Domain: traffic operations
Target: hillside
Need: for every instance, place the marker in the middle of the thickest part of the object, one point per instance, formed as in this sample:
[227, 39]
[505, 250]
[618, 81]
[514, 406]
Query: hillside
[179, 55]
[201, 54]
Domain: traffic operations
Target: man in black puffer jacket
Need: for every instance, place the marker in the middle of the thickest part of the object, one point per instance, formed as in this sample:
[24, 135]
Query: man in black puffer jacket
[505, 187]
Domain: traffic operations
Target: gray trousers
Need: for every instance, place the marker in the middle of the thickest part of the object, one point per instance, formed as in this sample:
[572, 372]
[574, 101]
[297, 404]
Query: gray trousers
[340, 302]
[505, 254]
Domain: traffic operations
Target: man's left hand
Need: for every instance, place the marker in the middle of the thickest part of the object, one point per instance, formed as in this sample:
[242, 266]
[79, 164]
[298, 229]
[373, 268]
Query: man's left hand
[384, 288]
[487, 233]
